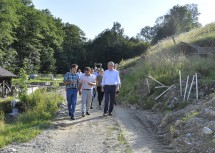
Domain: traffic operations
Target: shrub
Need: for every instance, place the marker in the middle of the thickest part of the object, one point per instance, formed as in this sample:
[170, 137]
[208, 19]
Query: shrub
[41, 105]
[1, 120]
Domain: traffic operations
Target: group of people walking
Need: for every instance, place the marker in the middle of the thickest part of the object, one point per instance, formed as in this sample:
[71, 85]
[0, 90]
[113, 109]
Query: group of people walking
[104, 82]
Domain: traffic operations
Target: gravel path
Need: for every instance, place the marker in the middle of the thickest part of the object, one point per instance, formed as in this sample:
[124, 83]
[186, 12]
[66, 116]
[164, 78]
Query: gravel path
[121, 133]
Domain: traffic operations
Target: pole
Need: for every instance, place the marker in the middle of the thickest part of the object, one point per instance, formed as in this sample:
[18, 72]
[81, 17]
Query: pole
[191, 85]
[164, 92]
[180, 82]
[186, 87]
[147, 82]
[197, 93]
[156, 80]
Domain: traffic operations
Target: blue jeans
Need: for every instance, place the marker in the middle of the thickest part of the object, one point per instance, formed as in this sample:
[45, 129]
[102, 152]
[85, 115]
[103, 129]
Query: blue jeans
[109, 95]
[71, 95]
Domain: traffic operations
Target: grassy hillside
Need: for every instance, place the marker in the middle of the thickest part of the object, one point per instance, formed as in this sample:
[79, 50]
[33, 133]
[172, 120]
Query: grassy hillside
[163, 61]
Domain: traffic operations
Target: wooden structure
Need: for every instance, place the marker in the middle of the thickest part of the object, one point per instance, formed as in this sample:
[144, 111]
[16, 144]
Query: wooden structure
[195, 49]
[98, 64]
[6, 82]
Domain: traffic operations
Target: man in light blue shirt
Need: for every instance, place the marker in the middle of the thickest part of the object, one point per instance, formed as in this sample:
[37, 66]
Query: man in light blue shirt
[110, 84]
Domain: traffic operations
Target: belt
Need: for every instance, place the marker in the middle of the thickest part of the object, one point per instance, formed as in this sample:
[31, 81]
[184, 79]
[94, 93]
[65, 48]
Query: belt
[72, 88]
[86, 89]
[110, 85]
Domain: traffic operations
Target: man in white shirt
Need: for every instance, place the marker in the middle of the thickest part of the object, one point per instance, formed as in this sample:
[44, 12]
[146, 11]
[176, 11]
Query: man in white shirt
[110, 84]
[79, 73]
[87, 81]
[92, 72]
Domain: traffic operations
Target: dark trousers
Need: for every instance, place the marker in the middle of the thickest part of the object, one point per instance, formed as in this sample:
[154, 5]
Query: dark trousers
[100, 95]
[110, 92]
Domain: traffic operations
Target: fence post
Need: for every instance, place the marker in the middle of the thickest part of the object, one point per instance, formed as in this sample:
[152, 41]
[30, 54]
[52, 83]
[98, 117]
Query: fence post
[186, 87]
[197, 93]
[191, 85]
[180, 82]
[148, 85]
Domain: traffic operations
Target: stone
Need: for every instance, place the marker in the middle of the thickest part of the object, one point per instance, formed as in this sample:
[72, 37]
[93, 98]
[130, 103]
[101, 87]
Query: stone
[178, 123]
[211, 113]
[12, 150]
[176, 134]
[189, 135]
[207, 131]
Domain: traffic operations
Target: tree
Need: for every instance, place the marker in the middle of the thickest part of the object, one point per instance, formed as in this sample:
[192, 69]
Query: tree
[52, 40]
[147, 33]
[179, 19]
[73, 47]
[9, 20]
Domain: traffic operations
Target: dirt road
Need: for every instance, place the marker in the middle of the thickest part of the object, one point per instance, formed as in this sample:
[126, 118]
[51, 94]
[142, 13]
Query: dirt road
[123, 132]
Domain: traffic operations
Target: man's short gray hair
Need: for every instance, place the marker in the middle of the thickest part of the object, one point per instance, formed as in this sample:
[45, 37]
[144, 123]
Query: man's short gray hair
[112, 63]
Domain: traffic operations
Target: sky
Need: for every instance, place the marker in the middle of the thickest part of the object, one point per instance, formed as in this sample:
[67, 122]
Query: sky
[94, 16]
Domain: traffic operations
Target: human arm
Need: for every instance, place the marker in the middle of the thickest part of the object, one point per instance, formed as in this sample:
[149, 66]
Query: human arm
[67, 79]
[79, 88]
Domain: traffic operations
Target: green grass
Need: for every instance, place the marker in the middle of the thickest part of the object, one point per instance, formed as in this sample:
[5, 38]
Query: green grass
[121, 138]
[6, 99]
[45, 80]
[41, 107]
[163, 61]
[128, 63]
[14, 81]
[190, 115]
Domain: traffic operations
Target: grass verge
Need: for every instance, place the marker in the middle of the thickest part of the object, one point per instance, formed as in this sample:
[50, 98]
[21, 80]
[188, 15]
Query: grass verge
[163, 61]
[41, 109]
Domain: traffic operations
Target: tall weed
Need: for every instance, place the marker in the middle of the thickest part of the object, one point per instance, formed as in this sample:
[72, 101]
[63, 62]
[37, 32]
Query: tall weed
[163, 61]
[41, 108]
[2, 123]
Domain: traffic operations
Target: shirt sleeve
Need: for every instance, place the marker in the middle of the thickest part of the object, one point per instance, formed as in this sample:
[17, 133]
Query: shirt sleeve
[118, 78]
[103, 80]
[81, 79]
[66, 77]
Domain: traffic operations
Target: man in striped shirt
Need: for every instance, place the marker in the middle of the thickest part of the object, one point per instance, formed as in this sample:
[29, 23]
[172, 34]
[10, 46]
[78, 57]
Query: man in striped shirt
[71, 80]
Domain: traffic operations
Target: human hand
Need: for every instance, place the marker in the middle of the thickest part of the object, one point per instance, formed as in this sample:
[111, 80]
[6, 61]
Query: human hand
[117, 88]
[71, 81]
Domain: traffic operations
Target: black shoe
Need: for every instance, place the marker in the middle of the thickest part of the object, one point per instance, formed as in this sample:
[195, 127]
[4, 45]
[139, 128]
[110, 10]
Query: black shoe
[91, 107]
[88, 113]
[110, 114]
[72, 118]
[105, 114]
[83, 115]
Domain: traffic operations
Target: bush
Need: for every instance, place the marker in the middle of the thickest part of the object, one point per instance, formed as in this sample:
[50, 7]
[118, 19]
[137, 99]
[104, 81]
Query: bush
[1, 120]
[6, 106]
[41, 107]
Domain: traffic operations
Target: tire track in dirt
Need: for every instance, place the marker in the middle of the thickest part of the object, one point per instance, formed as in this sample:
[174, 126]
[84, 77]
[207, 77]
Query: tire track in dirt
[138, 134]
